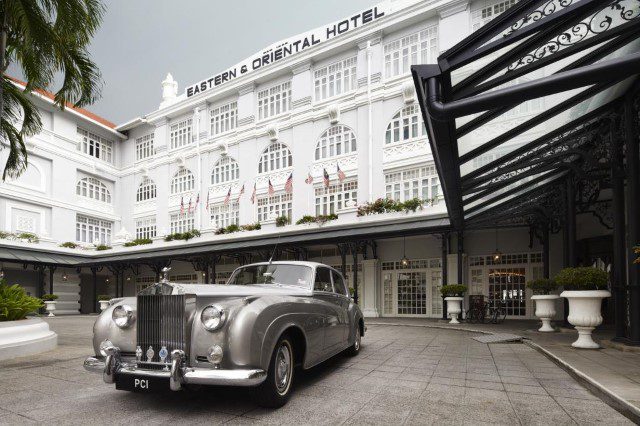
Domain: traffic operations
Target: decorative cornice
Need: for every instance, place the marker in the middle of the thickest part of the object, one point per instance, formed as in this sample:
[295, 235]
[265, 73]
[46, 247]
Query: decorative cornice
[376, 77]
[245, 121]
[374, 38]
[300, 68]
[297, 103]
[452, 8]
[247, 88]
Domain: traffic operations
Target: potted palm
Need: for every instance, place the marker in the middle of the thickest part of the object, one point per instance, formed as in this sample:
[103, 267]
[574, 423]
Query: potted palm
[103, 300]
[584, 287]
[453, 295]
[50, 302]
[545, 301]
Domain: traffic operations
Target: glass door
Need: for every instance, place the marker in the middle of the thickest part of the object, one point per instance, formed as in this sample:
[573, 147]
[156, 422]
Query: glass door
[412, 293]
[507, 286]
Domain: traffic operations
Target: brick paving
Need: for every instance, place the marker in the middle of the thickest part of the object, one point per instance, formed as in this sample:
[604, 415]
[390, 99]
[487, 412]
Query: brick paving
[404, 375]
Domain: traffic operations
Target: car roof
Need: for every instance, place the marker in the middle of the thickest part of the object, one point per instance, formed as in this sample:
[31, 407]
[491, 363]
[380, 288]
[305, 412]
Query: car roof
[293, 262]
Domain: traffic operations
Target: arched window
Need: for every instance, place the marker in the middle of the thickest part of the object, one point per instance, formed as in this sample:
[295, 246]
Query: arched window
[336, 141]
[406, 125]
[182, 181]
[277, 156]
[92, 188]
[146, 190]
[225, 170]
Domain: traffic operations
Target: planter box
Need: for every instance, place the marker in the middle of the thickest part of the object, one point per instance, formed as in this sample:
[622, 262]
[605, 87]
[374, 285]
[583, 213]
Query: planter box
[585, 314]
[545, 310]
[25, 337]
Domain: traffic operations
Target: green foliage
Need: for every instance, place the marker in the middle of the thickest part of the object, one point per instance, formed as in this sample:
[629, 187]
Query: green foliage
[388, 205]
[228, 230]
[14, 302]
[542, 286]
[103, 297]
[351, 291]
[48, 41]
[251, 227]
[138, 242]
[49, 297]
[183, 235]
[6, 235]
[102, 247]
[320, 219]
[282, 221]
[69, 244]
[582, 278]
[451, 290]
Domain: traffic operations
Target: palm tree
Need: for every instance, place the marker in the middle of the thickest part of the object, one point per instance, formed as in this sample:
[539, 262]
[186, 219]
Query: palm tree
[47, 39]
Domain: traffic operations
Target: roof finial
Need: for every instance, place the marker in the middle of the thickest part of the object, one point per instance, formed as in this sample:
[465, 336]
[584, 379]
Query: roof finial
[169, 91]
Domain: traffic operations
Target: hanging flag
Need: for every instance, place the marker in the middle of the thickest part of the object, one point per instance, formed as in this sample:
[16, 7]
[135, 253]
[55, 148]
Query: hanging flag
[197, 202]
[181, 205]
[241, 192]
[253, 194]
[271, 190]
[326, 178]
[207, 206]
[309, 179]
[226, 199]
[288, 185]
[341, 175]
[189, 210]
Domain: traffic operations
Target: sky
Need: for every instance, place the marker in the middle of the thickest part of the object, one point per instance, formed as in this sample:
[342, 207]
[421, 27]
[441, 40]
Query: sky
[140, 41]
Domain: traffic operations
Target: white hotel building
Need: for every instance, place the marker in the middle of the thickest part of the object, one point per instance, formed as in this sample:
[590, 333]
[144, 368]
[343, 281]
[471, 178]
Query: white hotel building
[347, 100]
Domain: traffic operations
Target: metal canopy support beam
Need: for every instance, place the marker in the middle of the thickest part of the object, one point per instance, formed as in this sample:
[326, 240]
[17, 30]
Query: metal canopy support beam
[545, 250]
[52, 270]
[619, 247]
[445, 272]
[94, 289]
[632, 152]
[571, 221]
[354, 252]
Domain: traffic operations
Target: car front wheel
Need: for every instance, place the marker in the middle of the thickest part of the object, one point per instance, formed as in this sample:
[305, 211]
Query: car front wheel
[274, 392]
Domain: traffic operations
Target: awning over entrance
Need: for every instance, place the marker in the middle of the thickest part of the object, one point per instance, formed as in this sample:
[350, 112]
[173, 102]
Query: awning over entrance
[526, 102]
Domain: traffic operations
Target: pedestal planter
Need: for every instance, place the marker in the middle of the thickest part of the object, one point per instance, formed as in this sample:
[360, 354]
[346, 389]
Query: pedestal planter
[50, 307]
[453, 308]
[104, 304]
[545, 310]
[585, 314]
[25, 337]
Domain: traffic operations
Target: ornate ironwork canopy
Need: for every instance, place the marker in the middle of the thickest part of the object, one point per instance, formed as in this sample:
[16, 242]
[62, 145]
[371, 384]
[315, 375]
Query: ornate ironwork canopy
[526, 101]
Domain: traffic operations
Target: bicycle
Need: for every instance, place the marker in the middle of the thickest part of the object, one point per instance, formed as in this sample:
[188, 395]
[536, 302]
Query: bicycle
[497, 314]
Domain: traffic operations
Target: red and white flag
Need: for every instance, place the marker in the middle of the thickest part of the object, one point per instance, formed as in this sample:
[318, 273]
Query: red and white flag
[309, 179]
[271, 190]
[228, 197]
[341, 175]
[253, 194]
[326, 178]
[241, 192]
[181, 205]
[189, 205]
[207, 206]
[197, 202]
[288, 185]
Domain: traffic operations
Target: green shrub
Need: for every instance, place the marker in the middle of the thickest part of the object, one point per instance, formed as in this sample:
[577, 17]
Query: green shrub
[49, 297]
[388, 205]
[282, 221]
[451, 290]
[102, 247]
[69, 244]
[320, 219]
[30, 237]
[6, 235]
[251, 227]
[138, 242]
[542, 286]
[582, 278]
[14, 302]
[183, 235]
[103, 297]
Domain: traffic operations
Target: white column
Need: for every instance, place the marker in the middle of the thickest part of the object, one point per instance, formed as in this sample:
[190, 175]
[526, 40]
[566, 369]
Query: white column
[246, 105]
[370, 286]
[455, 23]
[301, 86]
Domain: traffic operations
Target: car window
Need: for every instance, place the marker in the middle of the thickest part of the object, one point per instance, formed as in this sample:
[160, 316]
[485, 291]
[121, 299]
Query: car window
[338, 283]
[275, 273]
[323, 280]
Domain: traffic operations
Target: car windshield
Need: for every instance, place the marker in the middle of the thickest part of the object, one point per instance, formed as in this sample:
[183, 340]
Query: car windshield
[297, 275]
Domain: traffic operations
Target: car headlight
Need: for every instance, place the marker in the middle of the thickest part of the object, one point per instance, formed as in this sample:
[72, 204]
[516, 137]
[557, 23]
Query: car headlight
[122, 316]
[212, 317]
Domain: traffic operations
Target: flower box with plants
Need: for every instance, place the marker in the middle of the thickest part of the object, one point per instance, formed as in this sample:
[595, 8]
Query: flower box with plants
[50, 302]
[186, 236]
[453, 295]
[584, 288]
[545, 301]
[69, 244]
[237, 228]
[27, 237]
[319, 220]
[282, 221]
[103, 300]
[138, 242]
[388, 205]
[103, 247]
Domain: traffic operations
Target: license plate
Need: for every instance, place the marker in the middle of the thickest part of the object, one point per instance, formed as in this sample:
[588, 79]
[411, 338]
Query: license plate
[142, 383]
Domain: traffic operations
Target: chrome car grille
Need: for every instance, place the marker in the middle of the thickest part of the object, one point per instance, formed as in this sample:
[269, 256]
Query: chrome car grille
[163, 320]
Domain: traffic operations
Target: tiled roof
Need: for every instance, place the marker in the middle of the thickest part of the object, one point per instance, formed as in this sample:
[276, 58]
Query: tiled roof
[81, 111]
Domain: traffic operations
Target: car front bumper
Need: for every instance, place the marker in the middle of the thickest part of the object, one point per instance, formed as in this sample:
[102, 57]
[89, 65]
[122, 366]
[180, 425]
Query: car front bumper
[114, 365]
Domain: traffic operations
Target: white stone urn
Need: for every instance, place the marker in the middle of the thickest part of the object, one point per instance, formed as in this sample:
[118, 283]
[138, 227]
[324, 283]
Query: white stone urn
[545, 310]
[50, 306]
[453, 308]
[104, 304]
[585, 314]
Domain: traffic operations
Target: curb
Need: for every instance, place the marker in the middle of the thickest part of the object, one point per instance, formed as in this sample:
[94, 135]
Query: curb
[610, 398]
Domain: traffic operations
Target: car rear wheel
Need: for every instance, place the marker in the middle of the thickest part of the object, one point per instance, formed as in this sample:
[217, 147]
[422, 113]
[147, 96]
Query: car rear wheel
[355, 348]
[274, 392]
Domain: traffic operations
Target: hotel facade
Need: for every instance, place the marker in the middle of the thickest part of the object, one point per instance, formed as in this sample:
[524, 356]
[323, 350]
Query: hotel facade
[338, 100]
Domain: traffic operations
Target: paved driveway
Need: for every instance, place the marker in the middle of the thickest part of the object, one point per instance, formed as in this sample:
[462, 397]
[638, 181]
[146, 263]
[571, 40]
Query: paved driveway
[410, 375]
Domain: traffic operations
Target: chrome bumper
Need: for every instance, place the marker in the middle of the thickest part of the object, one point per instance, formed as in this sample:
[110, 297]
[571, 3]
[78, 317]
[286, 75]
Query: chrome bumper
[114, 365]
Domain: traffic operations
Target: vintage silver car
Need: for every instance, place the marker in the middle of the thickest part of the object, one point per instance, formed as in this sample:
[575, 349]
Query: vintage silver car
[253, 331]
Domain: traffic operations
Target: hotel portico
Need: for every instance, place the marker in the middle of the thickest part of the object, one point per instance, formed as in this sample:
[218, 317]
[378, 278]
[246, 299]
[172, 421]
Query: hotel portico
[518, 184]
